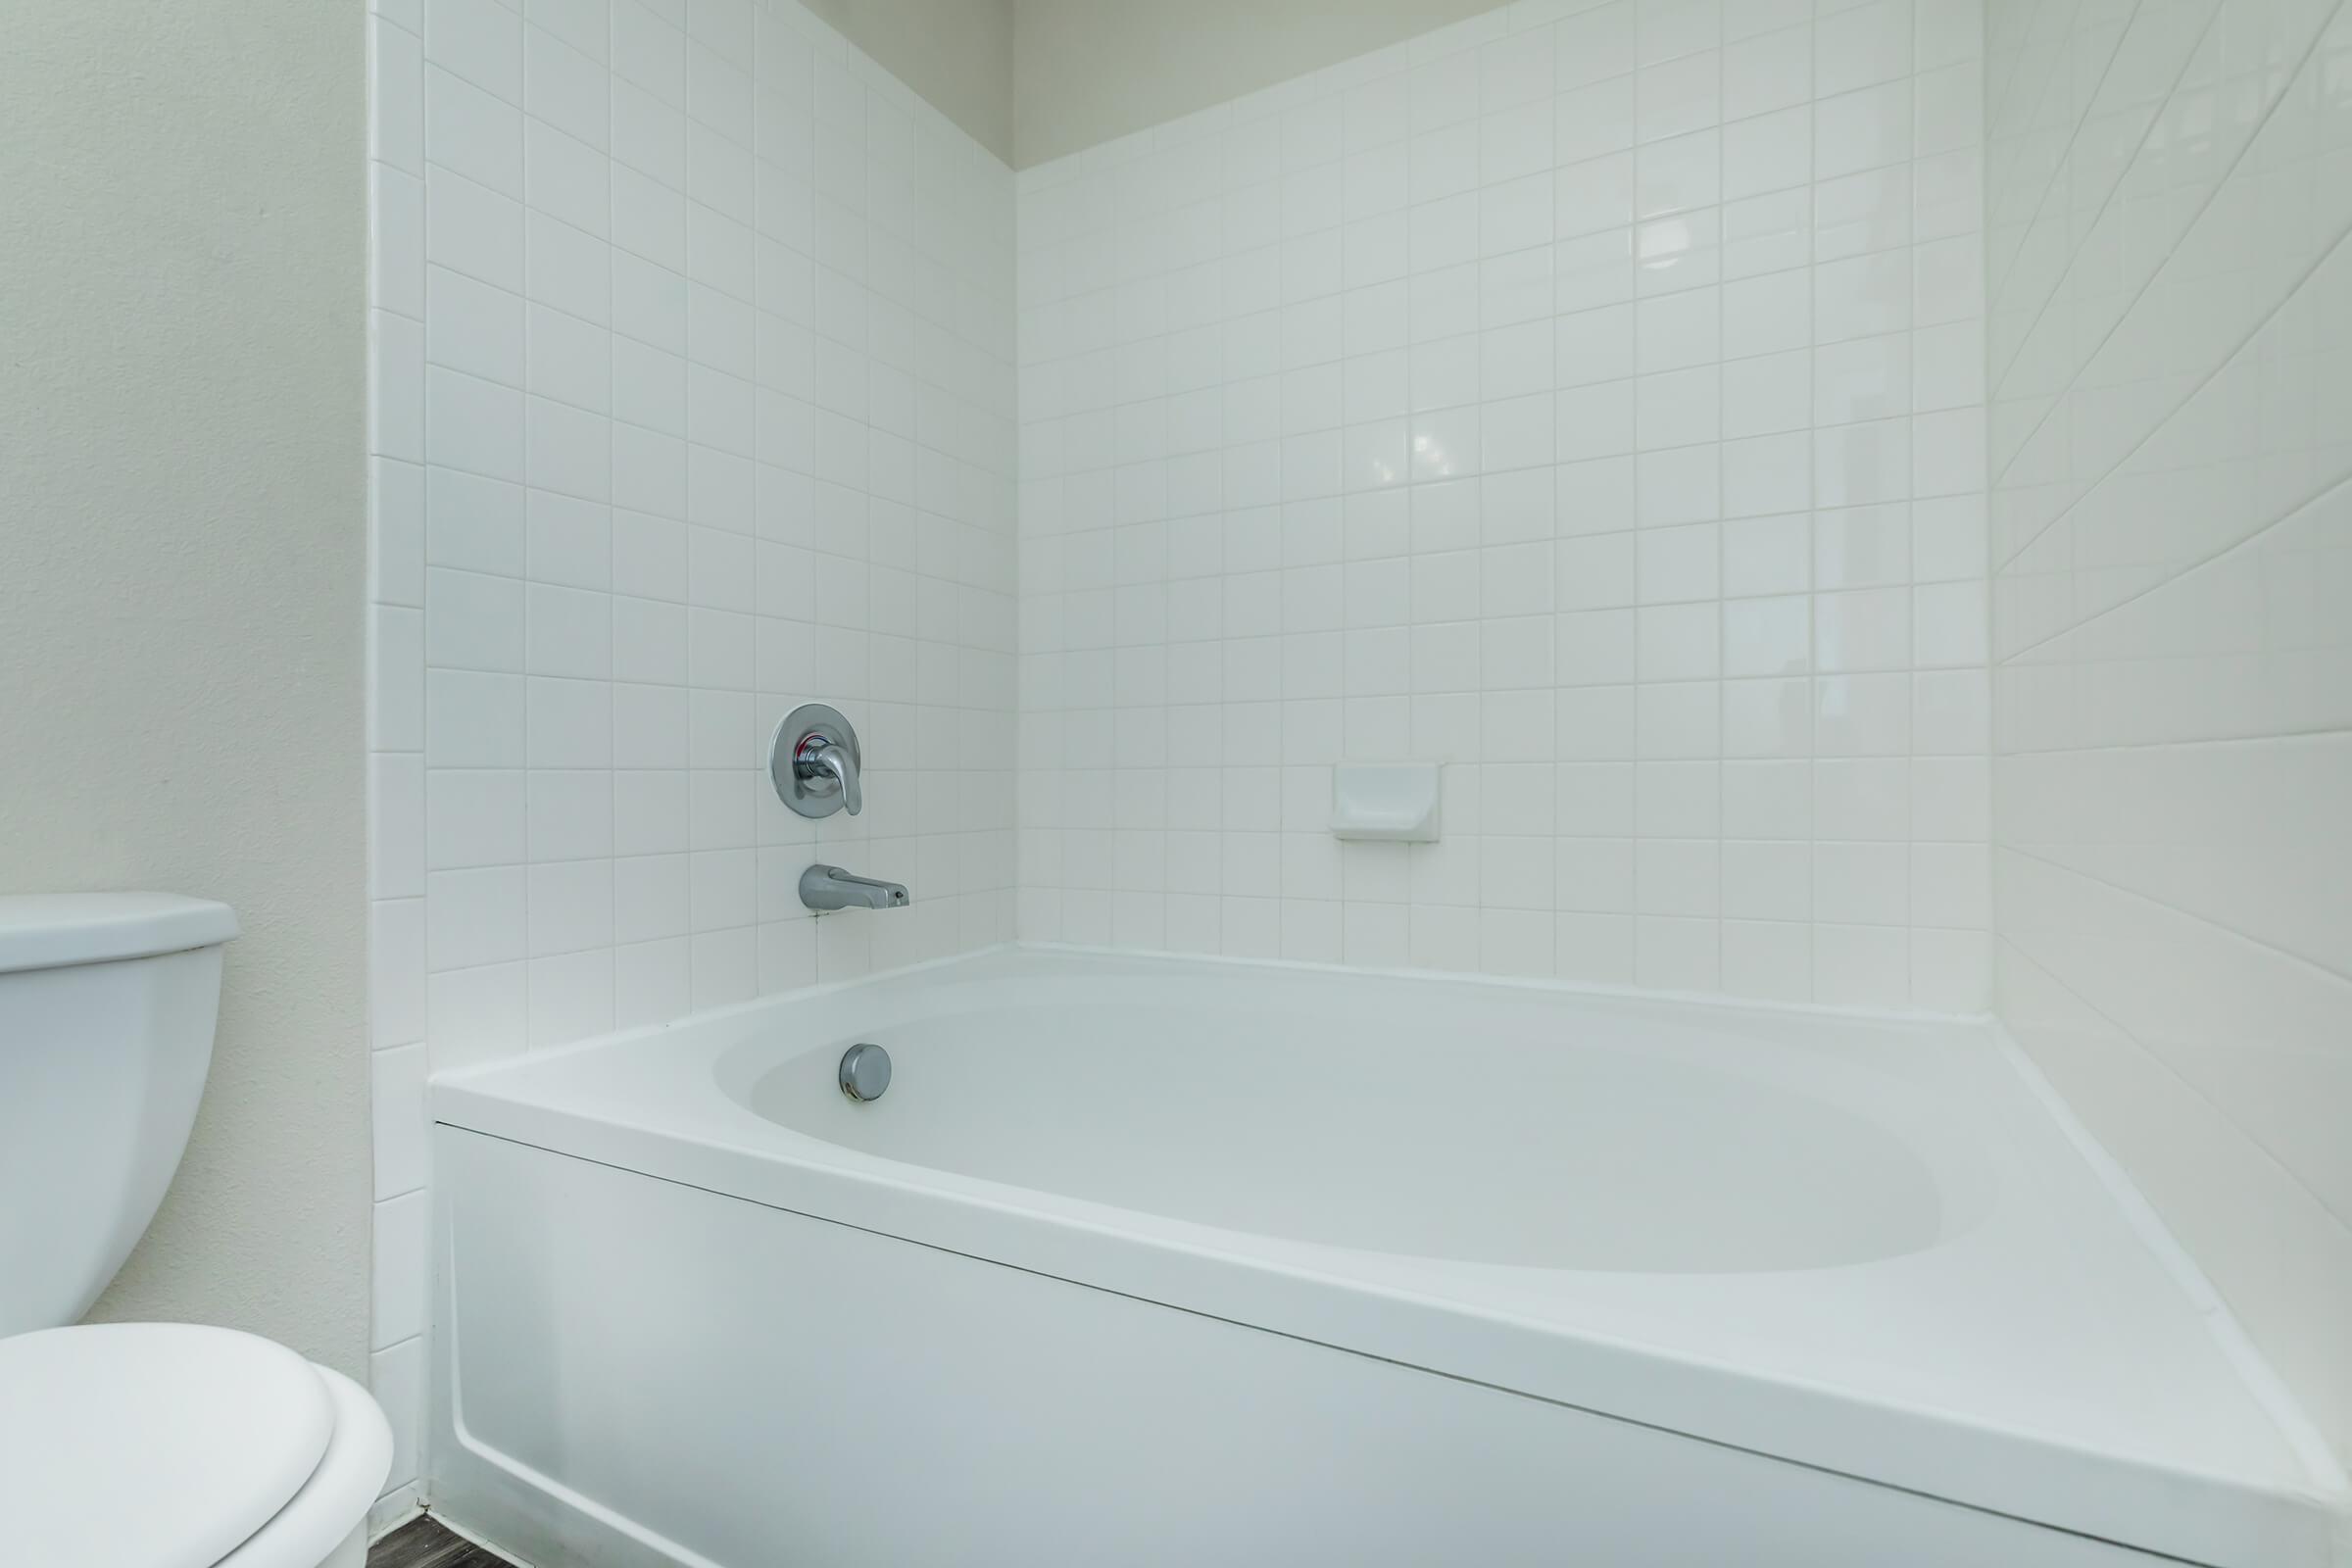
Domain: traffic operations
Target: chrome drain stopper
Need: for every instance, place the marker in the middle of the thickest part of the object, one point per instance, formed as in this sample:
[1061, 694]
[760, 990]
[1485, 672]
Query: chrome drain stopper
[864, 1071]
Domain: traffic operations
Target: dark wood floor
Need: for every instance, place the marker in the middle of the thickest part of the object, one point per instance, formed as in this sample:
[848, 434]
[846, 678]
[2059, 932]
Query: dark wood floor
[424, 1543]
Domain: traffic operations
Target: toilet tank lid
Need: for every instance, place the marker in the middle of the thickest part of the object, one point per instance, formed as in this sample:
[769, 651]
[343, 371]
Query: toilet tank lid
[50, 930]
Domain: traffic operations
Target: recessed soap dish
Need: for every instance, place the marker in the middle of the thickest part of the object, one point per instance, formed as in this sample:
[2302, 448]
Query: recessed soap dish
[1392, 801]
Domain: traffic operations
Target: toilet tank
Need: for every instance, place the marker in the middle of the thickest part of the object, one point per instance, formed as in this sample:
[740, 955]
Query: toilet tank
[107, 1006]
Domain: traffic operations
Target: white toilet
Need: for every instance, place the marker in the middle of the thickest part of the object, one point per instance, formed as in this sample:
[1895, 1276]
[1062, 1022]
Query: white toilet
[140, 1444]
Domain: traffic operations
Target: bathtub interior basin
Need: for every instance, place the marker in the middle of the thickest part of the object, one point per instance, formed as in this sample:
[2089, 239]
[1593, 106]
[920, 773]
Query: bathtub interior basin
[1522, 1140]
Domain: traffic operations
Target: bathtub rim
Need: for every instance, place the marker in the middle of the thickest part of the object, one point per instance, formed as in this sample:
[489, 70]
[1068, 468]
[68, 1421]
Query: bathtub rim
[2197, 1514]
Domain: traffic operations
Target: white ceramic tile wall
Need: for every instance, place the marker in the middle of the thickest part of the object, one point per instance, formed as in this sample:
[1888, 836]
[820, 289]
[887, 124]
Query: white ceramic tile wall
[1593, 396]
[2170, 186]
[1589, 396]
[694, 400]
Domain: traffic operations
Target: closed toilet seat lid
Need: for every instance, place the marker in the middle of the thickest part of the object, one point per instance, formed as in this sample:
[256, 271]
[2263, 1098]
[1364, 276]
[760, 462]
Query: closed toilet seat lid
[151, 1444]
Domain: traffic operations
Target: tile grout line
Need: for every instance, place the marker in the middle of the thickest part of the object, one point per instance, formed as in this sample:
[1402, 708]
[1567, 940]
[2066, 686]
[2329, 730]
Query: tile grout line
[2200, 743]
[2335, 977]
[2245, 150]
[1992, 110]
[2294, 512]
[2270, 1391]
[2319, 262]
[2064, 163]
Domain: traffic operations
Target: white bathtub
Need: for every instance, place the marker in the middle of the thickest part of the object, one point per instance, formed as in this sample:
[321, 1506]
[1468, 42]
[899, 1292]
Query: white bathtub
[1163, 1261]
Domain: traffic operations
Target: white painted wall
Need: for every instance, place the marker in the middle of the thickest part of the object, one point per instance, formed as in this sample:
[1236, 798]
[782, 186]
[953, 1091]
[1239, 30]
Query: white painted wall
[2171, 187]
[180, 569]
[1588, 396]
[694, 401]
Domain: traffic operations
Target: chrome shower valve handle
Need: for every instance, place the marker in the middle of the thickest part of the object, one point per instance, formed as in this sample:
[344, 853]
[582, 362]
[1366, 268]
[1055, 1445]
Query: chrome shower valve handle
[813, 762]
[816, 758]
